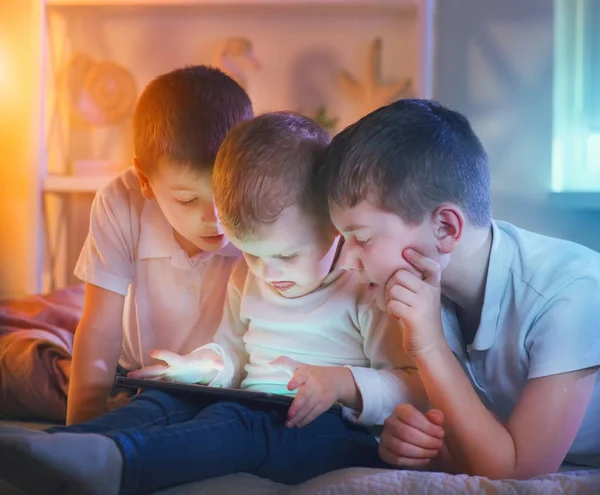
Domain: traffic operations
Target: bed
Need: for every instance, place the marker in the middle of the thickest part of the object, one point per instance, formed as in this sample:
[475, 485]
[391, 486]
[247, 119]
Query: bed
[36, 338]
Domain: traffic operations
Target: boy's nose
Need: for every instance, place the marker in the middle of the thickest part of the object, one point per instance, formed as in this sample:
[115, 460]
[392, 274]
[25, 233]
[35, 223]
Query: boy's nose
[211, 220]
[351, 260]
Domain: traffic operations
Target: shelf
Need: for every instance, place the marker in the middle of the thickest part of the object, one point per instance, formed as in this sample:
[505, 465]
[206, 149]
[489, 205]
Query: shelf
[282, 3]
[61, 184]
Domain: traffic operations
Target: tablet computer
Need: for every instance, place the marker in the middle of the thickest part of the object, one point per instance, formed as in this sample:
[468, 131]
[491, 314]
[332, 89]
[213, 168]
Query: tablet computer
[218, 394]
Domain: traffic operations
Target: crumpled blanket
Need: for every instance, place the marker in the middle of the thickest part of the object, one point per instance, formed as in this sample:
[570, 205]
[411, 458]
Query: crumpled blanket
[36, 342]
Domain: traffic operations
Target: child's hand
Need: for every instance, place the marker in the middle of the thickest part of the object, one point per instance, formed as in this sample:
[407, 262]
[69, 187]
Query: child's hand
[318, 386]
[199, 366]
[411, 439]
[414, 298]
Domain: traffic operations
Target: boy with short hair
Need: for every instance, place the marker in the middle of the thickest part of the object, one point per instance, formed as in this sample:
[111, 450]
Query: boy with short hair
[295, 323]
[503, 324]
[156, 262]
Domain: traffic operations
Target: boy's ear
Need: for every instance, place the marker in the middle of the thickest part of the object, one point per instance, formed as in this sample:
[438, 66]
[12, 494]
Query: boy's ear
[144, 182]
[448, 224]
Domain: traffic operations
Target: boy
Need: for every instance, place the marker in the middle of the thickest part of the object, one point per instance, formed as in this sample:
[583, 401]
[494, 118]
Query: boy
[291, 311]
[156, 262]
[503, 324]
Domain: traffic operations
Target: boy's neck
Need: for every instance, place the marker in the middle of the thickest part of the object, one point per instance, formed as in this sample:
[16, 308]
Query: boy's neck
[464, 280]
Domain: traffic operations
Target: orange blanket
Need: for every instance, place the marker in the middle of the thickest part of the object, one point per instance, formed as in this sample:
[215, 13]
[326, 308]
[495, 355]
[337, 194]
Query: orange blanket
[36, 342]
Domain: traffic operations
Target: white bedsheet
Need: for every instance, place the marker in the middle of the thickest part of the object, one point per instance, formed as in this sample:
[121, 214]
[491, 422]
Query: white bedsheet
[377, 482]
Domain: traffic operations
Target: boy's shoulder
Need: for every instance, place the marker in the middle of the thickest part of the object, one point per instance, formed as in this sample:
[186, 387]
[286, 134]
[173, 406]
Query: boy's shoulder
[122, 199]
[123, 187]
[546, 264]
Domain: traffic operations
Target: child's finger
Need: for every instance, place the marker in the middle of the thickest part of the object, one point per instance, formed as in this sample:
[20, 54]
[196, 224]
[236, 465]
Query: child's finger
[299, 407]
[435, 416]
[166, 356]
[404, 278]
[406, 433]
[428, 267]
[398, 309]
[395, 460]
[411, 416]
[299, 378]
[404, 448]
[151, 371]
[402, 294]
[311, 415]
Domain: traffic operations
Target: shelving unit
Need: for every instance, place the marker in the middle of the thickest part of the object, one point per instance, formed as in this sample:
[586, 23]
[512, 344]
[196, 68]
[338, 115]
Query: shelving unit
[153, 36]
[66, 184]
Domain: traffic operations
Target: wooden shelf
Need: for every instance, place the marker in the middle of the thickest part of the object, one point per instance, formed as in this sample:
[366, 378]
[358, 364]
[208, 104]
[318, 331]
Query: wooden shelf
[62, 184]
[281, 3]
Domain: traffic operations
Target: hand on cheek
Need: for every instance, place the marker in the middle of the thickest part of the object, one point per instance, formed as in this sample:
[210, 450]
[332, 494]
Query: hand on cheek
[413, 296]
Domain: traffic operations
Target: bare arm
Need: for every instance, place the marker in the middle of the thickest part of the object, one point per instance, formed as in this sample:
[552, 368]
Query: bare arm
[538, 435]
[561, 373]
[97, 346]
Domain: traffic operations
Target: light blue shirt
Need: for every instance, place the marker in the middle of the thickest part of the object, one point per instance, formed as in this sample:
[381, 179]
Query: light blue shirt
[540, 317]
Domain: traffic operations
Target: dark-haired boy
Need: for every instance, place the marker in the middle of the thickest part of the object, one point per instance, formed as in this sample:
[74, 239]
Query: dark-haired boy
[503, 324]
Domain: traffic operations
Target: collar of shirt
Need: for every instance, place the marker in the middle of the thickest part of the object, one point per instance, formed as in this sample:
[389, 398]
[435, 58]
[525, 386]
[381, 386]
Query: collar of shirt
[157, 239]
[495, 288]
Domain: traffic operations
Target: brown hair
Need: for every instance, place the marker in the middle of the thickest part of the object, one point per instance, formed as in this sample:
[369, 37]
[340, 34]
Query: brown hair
[410, 156]
[184, 116]
[266, 165]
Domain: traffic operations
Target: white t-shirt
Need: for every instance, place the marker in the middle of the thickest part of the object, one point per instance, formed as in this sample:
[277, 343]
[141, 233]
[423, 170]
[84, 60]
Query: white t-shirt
[541, 316]
[336, 325]
[172, 302]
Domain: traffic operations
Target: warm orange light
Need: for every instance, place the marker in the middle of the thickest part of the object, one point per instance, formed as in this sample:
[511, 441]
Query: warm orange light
[8, 91]
[2, 67]
[4, 77]
[21, 36]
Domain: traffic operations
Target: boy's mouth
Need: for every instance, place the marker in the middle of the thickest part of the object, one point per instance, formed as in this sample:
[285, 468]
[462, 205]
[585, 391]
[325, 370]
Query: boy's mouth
[213, 239]
[372, 286]
[282, 286]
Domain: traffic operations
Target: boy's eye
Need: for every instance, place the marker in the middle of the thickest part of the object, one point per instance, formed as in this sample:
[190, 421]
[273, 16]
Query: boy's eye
[364, 243]
[287, 258]
[187, 202]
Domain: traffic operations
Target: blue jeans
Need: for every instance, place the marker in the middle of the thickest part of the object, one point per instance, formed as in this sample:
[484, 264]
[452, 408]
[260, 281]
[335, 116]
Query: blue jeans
[168, 440]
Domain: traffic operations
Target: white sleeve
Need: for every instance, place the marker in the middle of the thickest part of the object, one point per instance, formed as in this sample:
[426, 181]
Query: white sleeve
[106, 259]
[229, 338]
[392, 378]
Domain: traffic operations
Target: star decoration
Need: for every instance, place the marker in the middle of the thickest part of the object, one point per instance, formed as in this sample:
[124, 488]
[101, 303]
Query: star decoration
[373, 93]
